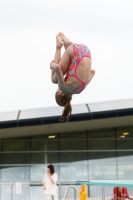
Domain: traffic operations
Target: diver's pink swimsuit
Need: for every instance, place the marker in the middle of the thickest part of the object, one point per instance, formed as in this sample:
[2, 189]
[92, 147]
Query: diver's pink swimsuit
[79, 52]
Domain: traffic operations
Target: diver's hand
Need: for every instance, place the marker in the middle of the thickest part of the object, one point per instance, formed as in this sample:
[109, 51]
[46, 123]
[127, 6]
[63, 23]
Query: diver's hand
[54, 66]
[51, 64]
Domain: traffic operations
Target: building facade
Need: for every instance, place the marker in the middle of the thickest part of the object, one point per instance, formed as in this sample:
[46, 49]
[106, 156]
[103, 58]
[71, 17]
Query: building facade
[94, 145]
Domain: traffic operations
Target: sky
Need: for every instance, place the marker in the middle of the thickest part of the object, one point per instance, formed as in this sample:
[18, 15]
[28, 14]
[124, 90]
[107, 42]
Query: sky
[27, 46]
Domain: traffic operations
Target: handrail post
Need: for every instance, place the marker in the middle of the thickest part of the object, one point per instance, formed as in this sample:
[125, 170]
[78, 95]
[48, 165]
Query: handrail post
[12, 190]
[71, 186]
[29, 190]
[0, 191]
[67, 183]
[103, 193]
[59, 190]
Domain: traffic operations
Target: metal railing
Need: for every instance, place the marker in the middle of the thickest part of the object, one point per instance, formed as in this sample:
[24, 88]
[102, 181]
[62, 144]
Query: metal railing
[28, 191]
[94, 192]
[67, 190]
[5, 190]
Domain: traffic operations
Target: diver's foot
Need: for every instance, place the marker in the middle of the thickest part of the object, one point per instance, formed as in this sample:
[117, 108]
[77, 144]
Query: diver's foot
[66, 41]
[59, 42]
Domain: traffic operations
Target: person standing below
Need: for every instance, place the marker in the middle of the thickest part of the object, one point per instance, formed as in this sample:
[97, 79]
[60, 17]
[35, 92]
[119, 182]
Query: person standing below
[83, 192]
[50, 183]
[121, 193]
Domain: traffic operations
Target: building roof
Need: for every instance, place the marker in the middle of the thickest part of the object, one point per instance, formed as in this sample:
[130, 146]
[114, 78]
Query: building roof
[46, 120]
[57, 110]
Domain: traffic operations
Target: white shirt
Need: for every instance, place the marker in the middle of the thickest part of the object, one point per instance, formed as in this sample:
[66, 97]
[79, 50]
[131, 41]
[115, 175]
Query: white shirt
[50, 187]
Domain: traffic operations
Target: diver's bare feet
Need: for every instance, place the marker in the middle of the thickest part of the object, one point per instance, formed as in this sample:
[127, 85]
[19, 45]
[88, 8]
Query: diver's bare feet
[59, 42]
[66, 41]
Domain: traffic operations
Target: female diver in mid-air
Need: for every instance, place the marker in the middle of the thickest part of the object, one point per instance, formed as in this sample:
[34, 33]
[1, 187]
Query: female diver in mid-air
[75, 64]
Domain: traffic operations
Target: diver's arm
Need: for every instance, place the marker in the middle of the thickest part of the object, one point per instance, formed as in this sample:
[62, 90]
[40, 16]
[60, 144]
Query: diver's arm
[61, 82]
[54, 78]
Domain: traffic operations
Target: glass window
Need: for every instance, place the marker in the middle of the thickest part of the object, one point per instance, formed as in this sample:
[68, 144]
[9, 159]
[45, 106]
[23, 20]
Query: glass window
[73, 144]
[52, 145]
[101, 133]
[125, 172]
[38, 171]
[15, 158]
[1, 144]
[37, 145]
[102, 157]
[37, 137]
[124, 143]
[13, 173]
[125, 157]
[102, 172]
[44, 145]
[73, 135]
[73, 172]
[79, 157]
[101, 144]
[42, 158]
[19, 144]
